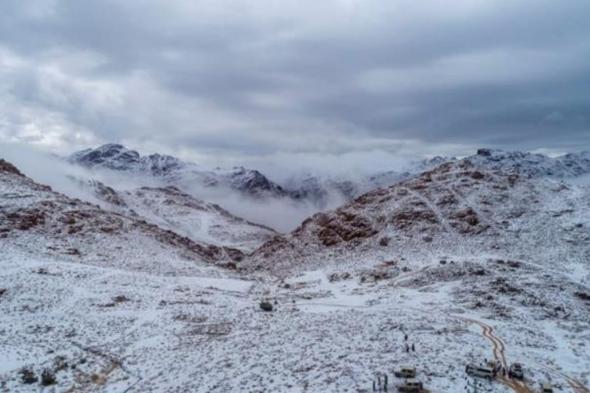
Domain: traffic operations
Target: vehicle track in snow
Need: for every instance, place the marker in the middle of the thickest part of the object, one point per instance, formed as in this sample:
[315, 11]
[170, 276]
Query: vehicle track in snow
[499, 348]
[576, 385]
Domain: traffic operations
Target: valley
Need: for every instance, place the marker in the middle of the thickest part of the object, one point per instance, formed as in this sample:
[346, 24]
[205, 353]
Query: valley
[456, 265]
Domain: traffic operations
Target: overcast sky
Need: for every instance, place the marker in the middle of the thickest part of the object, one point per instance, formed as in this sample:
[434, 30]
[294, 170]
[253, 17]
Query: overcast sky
[233, 81]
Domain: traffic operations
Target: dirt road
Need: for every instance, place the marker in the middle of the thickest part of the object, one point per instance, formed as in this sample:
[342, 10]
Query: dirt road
[498, 349]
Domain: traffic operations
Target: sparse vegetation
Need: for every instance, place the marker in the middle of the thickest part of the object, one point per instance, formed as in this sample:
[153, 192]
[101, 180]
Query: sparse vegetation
[48, 377]
[120, 299]
[27, 376]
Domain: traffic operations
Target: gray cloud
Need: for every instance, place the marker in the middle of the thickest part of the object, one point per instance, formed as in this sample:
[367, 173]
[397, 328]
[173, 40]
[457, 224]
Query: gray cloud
[239, 81]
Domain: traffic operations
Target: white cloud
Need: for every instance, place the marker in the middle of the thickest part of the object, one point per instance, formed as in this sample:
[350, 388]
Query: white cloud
[241, 81]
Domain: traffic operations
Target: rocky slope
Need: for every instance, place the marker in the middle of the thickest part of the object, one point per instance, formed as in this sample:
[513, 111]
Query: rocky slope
[321, 188]
[35, 218]
[170, 208]
[455, 209]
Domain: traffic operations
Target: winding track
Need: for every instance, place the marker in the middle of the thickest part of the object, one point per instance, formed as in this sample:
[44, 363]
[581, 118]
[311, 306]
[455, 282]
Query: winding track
[519, 386]
[498, 348]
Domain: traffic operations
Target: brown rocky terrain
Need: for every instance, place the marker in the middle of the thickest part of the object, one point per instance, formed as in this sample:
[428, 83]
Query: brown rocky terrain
[40, 218]
[455, 207]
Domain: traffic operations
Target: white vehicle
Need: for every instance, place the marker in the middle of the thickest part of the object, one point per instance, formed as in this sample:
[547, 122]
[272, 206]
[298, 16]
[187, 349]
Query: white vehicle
[411, 386]
[406, 372]
[480, 371]
[546, 388]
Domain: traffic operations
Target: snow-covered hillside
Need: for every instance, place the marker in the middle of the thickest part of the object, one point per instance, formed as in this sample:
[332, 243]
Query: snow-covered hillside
[569, 165]
[455, 209]
[321, 188]
[324, 189]
[45, 222]
[455, 266]
[170, 208]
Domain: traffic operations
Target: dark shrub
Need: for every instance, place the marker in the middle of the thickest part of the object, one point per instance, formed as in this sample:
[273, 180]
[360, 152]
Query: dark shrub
[47, 378]
[120, 299]
[27, 376]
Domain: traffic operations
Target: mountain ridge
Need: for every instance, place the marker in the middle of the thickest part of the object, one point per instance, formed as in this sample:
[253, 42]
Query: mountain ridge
[32, 214]
[171, 208]
[320, 190]
[455, 203]
[174, 171]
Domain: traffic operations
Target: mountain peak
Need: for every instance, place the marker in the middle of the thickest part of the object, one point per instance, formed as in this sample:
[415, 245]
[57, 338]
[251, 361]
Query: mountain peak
[485, 152]
[7, 167]
[118, 157]
[111, 156]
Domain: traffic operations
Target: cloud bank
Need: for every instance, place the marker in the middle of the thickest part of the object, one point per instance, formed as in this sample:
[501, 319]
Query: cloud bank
[239, 82]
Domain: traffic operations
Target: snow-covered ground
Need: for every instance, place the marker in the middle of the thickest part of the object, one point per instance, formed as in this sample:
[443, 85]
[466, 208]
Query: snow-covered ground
[468, 266]
[111, 330]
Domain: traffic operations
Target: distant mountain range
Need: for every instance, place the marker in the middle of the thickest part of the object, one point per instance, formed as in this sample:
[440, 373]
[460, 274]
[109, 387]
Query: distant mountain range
[311, 187]
[174, 171]
[489, 201]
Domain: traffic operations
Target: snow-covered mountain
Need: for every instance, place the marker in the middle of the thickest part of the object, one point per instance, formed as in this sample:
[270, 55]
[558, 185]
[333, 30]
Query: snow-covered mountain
[173, 171]
[320, 188]
[455, 208]
[45, 222]
[170, 208]
[118, 157]
[533, 165]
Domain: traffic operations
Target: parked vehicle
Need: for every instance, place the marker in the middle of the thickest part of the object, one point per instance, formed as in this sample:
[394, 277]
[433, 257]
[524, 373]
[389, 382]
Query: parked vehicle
[546, 388]
[406, 372]
[515, 371]
[411, 386]
[480, 371]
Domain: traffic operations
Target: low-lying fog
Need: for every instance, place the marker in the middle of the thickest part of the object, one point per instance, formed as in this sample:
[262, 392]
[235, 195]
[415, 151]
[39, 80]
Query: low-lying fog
[281, 214]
